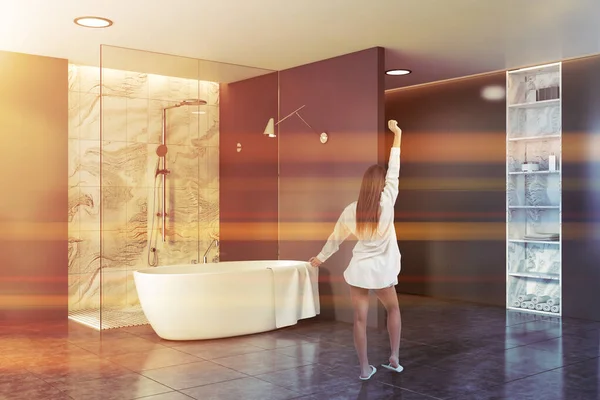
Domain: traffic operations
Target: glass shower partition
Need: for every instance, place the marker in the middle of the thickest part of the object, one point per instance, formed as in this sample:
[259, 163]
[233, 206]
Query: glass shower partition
[145, 151]
[154, 161]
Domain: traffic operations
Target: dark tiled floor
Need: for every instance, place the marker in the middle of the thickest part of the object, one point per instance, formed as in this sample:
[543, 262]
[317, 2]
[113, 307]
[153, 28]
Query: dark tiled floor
[450, 351]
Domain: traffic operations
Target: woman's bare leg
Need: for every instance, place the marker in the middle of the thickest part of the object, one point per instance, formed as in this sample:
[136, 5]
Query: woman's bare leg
[360, 303]
[389, 299]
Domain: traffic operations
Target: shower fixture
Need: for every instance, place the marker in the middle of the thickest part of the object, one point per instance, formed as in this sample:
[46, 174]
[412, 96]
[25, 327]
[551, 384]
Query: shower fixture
[161, 169]
[270, 129]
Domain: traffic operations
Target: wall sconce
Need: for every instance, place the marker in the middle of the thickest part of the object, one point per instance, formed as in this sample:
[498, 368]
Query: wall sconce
[270, 129]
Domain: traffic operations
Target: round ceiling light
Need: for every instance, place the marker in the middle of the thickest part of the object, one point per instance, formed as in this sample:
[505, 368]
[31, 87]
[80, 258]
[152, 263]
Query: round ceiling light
[93, 22]
[398, 72]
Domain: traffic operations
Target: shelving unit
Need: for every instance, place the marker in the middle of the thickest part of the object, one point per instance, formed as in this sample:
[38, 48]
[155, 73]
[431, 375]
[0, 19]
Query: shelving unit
[534, 198]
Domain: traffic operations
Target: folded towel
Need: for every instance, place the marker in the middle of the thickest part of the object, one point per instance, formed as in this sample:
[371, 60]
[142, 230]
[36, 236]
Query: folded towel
[296, 293]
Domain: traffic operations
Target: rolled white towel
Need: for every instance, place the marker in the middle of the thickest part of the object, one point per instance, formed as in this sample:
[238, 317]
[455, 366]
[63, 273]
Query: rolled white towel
[525, 297]
[531, 305]
[516, 304]
[541, 299]
[525, 304]
[539, 307]
[554, 309]
[546, 307]
[554, 301]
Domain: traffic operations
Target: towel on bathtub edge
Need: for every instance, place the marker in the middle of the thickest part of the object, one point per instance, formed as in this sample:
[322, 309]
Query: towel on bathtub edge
[296, 293]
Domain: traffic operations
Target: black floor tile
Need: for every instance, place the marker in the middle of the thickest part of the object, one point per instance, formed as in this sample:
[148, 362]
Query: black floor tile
[450, 350]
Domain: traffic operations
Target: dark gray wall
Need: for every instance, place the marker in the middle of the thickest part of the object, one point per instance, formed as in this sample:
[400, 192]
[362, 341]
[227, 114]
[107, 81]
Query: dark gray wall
[581, 188]
[450, 211]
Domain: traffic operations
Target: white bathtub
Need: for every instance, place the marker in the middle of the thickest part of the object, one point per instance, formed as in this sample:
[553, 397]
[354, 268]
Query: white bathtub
[208, 301]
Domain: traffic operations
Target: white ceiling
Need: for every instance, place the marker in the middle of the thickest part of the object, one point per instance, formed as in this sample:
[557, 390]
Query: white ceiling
[437, 39]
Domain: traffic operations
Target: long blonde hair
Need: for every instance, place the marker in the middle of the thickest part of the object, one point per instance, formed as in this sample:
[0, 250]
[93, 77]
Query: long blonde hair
[368, 208]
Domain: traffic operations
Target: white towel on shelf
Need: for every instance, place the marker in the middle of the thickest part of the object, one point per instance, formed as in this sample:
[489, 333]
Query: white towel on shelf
[553, 301]
[296, 291]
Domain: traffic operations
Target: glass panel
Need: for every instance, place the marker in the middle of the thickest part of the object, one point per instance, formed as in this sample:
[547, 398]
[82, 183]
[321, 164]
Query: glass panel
[158, 162]
[84, 194]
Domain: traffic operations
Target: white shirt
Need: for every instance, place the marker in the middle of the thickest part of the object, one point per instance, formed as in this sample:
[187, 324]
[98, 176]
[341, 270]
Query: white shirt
[375, 262]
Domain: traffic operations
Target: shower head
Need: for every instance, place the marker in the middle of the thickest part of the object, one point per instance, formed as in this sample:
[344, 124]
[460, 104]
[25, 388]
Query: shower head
[187, 102]
[192, 102]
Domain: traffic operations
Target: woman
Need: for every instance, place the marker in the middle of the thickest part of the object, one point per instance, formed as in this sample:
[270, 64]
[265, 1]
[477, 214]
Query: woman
[375, 262]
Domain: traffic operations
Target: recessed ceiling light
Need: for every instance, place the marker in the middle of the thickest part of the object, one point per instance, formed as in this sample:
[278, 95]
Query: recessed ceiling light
[397, 72]
[93, 22]
[199, 112]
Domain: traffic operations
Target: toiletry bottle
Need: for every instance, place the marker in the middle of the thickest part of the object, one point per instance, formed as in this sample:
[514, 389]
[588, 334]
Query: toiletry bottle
[552, 162]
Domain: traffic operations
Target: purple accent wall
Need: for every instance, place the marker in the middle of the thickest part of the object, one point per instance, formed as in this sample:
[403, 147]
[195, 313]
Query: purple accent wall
[248, 179]
[34, 175]
[344, 96]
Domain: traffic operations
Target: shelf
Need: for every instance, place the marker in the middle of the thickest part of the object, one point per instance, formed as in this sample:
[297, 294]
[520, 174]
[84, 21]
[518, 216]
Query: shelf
[535, 275]
[533, 311]
[534, 173]
[538, 69]
[534, 207]
[526, 241]
[534, 131]
[534, 138]
[537, 104]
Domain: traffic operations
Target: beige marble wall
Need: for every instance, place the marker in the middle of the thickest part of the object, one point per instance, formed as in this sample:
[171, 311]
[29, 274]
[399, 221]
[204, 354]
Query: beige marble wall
[124, 185]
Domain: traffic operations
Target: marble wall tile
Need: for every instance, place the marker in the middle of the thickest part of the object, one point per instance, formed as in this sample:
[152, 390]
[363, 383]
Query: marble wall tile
[114, 118]
[115, 160]
[73, 290]
[158, 87]
[74, 124]
[73, 216]
[73, 71]
[115, 254]
[89, 291]
[89, 79]
[138, 85]
[129, 194]
[181, 88]
[114, 83]
[155, 108]
[137, 120]
[89, 116]
[114, 207]
[213, 167]
[114, 289]
[179, 132]
[88, 251]
[88, 208]
[183, 162]
[138, 227]
[212, 89]
[73, 162]
[73, 256]
[212, 130]
[136, 170]
[89, 159]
